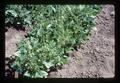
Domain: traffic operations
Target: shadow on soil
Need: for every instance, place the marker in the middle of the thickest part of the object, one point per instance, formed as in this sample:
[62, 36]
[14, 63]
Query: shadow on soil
[15, 26]
[10, 72]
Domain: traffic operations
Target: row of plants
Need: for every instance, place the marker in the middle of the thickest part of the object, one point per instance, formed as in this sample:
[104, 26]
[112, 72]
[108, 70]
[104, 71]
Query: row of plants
[56, 31]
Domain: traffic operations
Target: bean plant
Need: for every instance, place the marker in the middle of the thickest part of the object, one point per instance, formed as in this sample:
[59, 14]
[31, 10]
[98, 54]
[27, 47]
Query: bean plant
[57, 29]
[18, 15]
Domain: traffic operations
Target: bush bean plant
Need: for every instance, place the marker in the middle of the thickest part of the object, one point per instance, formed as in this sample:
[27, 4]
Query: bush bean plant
[57, 29]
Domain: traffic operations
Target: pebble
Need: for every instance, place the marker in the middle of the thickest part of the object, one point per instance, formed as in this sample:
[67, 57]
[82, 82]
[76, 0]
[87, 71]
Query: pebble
[112, 13]
[94, 28]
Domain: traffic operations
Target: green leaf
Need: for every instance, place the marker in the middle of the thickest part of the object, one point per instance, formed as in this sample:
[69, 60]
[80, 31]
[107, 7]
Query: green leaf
[37, 75]
[27, 20]
[53, 9]
[40, 32]
[49, 26]
[48, 64]
[27, 74]
[69, 8]
[81, 7]
[41, 74]
[12, 12]
[26, 13]
[16, 66]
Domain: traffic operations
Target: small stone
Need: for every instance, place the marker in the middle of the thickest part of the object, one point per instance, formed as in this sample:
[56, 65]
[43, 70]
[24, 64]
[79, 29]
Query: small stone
[106, 18]
[94, 28]
[112, 13]
[6, 67]
[16, 74]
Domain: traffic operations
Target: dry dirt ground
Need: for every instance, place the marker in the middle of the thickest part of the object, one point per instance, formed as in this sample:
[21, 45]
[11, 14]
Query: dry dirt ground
[12, 37]
[95, 58]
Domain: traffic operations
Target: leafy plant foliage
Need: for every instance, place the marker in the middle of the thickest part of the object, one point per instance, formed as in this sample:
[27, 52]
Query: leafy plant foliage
[18, 15]
[57, 30]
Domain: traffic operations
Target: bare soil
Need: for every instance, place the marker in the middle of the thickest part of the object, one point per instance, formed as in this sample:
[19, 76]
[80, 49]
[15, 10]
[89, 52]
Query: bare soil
[12, 38]
[95, 58]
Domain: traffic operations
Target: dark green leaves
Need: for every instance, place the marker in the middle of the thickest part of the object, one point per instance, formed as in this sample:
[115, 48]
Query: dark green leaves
[41, 74]
[18, 14]
[58, 29]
